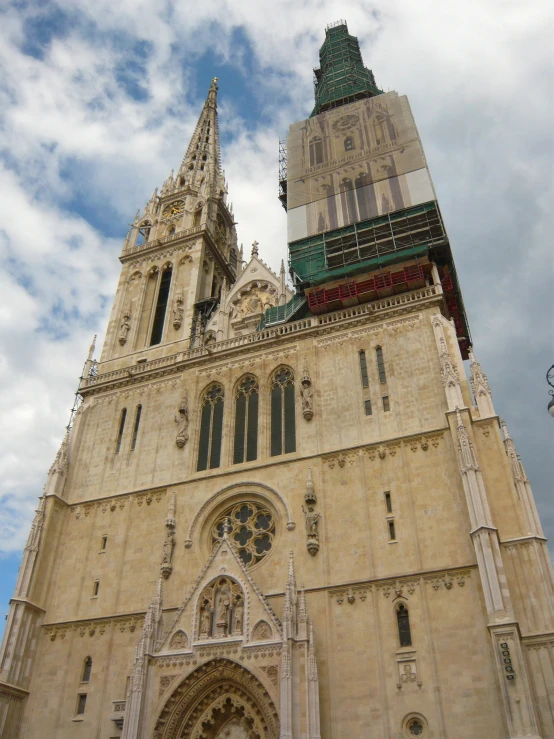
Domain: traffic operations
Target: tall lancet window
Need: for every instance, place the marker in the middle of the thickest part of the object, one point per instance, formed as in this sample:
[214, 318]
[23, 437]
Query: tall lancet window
[161, 307]
[283, 428]
[211, 428]
[246, 420]
[404, 631]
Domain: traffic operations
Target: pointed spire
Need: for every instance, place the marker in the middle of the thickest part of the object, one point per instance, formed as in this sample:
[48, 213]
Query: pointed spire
[513, 457]
[91, 349]
[468, 460]
[480, 387]
[302, 618]
[203, 154]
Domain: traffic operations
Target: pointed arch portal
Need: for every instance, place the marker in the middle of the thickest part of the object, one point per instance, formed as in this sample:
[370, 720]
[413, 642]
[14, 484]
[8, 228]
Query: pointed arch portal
[219, 700]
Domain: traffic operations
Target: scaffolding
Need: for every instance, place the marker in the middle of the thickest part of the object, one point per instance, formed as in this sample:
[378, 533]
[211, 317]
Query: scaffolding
[352, 249]
[341, 77]
[283, 173]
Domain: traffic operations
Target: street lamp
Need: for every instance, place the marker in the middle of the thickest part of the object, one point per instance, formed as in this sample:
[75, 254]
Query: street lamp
[550, 381]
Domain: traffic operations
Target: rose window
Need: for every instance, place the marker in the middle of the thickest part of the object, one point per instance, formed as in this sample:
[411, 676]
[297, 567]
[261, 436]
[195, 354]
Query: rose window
[251, 530]
[415, 727]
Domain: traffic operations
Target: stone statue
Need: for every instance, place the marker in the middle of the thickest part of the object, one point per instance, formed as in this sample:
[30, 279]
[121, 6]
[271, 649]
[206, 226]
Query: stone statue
[205, 620]
[224, 604]
[183, 420]
[237, 618]
[312, 521]
[125, 325]
[178, 309]
[307, 395]
[168, 549]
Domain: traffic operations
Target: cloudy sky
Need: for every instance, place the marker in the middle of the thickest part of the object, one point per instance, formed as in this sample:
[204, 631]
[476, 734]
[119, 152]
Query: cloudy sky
[97, 104]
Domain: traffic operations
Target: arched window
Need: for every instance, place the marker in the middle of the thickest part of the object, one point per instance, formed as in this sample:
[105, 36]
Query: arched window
[161, 307]
[246, 421]
[197, 217]
[381, 365]
[136, 427]
[283, 429]
[87, 667]
[404, 632]
[211, 428]
[316, 151]
[348, 143]
[121, 430]
[363, 370]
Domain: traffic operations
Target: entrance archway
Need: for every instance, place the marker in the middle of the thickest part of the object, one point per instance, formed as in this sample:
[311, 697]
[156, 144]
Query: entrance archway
[219, 700]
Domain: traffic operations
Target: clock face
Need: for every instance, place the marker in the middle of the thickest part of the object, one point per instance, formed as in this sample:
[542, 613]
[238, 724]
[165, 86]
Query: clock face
[345, 123]
[173, 209]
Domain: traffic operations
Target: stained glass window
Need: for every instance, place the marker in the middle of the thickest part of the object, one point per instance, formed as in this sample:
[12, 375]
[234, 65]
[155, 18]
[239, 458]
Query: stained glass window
[211, 428]
[251, 530]
[161, 307]
[283, 425]
[246, 421]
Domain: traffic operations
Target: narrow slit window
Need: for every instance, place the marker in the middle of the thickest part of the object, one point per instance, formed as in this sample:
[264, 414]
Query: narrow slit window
[211, 428]
[392, 532]
[104, 542]
[87, 668]
[161, 307]
[404, 631]
[136, 427]
[386, 403]
[363, 370]
[283, 429]
[388, 502]
[246, 421]
[95, 588]
[81, 703]
[367, 406]
[381, 365]
[121, 429]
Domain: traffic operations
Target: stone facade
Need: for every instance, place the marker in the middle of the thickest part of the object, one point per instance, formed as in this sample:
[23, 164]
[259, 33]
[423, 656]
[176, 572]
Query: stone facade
[401, 567]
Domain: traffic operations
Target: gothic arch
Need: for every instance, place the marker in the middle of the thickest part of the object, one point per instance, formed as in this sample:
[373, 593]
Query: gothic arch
[227, 493]
[214, 696]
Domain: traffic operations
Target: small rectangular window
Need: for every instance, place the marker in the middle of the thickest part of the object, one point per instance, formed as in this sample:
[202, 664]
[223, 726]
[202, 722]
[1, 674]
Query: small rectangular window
[367, 406]
[388, 502]
[136, 428]
[363, 370]
[392, 532]
[104, 542]
[386, 403]
[96, 588]
[81, 703]
[381, 365]
[121, 429]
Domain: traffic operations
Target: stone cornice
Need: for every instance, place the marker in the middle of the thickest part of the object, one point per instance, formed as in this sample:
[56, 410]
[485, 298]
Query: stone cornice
[378, 314]
[13, 691]
[29, 603]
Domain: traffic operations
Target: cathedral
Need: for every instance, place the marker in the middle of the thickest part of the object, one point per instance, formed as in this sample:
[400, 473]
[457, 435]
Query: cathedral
[281, 511]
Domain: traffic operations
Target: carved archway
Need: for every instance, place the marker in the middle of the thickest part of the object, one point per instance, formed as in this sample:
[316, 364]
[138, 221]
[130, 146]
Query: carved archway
[220, 699]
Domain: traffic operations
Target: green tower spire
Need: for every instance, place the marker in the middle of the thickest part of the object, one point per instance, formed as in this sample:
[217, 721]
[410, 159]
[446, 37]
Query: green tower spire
[341, 77]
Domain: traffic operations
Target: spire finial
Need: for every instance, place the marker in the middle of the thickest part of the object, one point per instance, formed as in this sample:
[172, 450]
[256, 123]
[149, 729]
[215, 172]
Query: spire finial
[92, 348]
[255, 249]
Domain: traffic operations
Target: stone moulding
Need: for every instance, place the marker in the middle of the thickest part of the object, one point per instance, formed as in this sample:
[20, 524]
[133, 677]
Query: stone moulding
[401, 585]
[117, 502]
[430, 439]
[93, 627]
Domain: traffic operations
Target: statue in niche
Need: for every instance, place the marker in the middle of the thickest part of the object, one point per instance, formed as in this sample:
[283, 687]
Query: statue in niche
[205, 620]
[312, 521]
[237, 617]
[125, 324]
[223, 608]
[168, 549]
[183, 420]
[307, 395]
[178, 309]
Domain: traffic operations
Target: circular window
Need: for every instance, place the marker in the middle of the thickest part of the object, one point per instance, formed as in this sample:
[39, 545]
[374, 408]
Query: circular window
[415, 727]
[251, 530]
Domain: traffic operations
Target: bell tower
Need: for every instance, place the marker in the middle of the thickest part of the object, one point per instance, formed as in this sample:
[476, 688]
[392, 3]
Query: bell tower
[181, 249]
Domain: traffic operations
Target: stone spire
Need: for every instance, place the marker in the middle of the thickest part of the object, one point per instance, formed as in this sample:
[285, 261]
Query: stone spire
[481, 388]
[202, 160]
